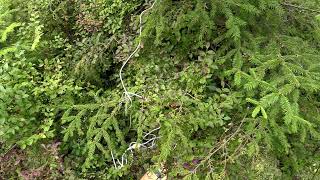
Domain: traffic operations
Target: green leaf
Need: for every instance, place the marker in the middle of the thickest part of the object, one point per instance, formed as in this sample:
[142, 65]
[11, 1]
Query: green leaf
[264, 114]
[252, 101]
[237, 78]
[23, 146]
[7, 50]
[256, 111]
[41, 135]
[251, 149]
[29, 141]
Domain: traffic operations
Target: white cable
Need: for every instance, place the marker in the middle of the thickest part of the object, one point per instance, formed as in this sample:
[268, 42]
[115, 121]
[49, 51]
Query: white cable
[129, 94]
[114, 162]
[149, 133]
[134, 145]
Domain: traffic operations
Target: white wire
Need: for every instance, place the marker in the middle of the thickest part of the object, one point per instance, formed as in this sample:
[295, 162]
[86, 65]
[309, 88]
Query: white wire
[129, 94]
[134, 145]
[149, 133]
[114, 162]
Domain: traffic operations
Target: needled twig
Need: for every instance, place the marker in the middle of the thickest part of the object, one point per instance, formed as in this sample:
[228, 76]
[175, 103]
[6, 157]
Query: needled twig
[300, 7]
[214, 149]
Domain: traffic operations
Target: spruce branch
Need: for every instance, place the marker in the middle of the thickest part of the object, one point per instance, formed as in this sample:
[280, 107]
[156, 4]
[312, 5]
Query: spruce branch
[236, 152]
[222, 144]
[299, 7]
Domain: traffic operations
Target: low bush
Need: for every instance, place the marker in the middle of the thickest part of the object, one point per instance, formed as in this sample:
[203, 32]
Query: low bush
[193, 89]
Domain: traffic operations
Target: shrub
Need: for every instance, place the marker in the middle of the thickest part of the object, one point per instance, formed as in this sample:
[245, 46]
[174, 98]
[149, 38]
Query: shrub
[211, 89]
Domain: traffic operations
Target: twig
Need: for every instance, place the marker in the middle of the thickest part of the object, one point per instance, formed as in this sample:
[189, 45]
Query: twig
[225, 163]
[233, 155]
[300, 7]
[214, 149]
[8, 150]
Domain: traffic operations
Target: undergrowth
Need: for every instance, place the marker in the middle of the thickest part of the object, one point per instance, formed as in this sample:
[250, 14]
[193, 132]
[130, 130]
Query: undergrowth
[206, 90]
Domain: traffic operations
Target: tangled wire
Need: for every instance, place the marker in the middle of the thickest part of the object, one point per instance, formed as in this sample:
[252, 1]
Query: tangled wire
[149, 138]
[147, 143]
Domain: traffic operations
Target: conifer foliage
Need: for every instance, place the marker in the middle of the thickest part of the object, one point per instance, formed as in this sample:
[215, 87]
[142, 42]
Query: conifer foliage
[193, 89]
